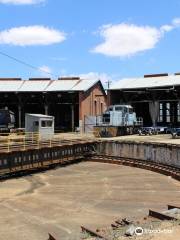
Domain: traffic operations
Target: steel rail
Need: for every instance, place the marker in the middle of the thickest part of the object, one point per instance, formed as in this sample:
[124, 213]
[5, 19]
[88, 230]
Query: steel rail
[51, 237]
[172, 207]
[161, 216]
[93, 233]
[164, 169]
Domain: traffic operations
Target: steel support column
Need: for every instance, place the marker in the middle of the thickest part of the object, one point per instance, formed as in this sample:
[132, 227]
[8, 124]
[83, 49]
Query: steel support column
[72, 117]
[19, 116]
[46, 109]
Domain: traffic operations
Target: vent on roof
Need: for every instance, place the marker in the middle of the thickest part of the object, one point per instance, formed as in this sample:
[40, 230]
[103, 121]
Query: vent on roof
[156, 75]
[39, 79]
[178, 73]
[69, 78]
[10, 79]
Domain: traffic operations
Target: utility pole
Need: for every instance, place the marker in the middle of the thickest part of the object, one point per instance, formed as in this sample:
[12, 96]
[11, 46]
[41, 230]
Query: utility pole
[108, 84]
[108, 92]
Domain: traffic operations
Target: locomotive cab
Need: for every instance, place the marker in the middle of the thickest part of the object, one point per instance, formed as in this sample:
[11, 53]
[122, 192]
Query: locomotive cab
[119, 115]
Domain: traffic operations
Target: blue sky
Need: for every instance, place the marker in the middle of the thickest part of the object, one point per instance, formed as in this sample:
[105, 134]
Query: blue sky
[110, 39]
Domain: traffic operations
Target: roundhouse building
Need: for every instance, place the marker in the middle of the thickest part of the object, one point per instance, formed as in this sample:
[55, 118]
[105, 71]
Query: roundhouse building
[155, 97]
[67, 99]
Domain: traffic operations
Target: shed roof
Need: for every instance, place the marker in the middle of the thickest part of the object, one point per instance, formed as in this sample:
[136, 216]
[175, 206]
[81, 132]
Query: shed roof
[147, 82]
[61, 85]
[46, 85]
[33, 86]
[38, 115]
[10, 86]
[84, 84]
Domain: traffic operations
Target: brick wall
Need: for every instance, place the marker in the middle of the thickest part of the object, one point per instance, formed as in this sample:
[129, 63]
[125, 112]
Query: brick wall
[92, 103]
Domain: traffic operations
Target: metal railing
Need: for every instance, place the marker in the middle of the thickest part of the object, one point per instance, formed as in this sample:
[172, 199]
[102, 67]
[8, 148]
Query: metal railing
[32, 140]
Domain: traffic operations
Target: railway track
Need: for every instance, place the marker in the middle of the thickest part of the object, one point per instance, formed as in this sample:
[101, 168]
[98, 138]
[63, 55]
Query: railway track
[172, 206]
[168, 170]
[172, 214]
[93, 233]
[119, 225]
[51, 237]
[161, 216]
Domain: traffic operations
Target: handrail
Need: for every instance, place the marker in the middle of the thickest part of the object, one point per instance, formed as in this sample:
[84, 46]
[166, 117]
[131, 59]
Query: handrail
[33, 140]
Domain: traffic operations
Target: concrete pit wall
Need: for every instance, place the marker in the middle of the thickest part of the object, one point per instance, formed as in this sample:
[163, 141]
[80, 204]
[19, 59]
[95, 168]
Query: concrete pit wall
[156, 152]
[37, 158]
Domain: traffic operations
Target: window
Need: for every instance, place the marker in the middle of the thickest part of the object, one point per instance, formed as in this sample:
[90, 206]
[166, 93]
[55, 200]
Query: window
[95, 107]
[125, 109]
[130, 110]
[160, 112]
[49, 123]
[102, 108]
[46, 123]
[118, 108]
[43, 123]
[165, 112]
[110, 108]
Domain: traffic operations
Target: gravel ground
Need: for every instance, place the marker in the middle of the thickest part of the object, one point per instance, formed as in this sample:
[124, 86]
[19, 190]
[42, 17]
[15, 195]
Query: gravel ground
[59, 201]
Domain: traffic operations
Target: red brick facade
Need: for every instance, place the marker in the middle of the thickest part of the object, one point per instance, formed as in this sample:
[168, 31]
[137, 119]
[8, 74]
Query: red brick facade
[92, 103]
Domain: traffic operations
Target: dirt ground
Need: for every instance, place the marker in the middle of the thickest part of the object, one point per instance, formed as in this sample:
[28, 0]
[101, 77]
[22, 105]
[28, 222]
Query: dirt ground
[59, 201]
[160, 138]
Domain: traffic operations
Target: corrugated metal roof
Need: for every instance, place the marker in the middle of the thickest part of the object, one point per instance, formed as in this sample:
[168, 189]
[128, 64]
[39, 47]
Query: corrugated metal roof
[39, 115]
[46, 85]
[10, 86]
[84, 85]
[61, 85]
[149, 82]
[33, 86]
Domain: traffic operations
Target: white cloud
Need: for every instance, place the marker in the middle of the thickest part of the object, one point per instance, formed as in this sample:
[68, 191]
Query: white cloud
[31, 35]
[95, 75]
[166, 28]
[104, 77]
[176, 22]
[21, 2]
[169, 27]
[123, 40]
[45, 70]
